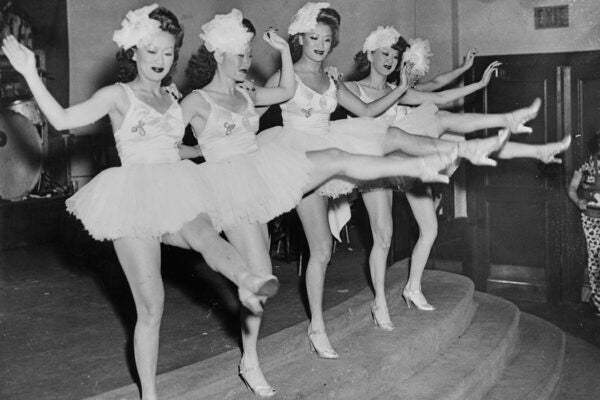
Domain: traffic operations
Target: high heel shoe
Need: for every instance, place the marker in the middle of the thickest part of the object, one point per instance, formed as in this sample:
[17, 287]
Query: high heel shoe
[549, 151]
[266, 285]
[381, 317]
[416, 297]
[518, 118]
[329, 353]
[250, 375]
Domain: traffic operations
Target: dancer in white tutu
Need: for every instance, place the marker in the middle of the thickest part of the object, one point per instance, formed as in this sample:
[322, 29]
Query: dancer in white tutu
[255, 182]
[153, 196]
[306, 126]
[383, 51]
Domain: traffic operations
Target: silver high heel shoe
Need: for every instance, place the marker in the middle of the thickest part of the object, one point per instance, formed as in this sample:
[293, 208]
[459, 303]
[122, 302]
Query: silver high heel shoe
[328, 354]
[383, 320]
[416, 297]
[246, 374]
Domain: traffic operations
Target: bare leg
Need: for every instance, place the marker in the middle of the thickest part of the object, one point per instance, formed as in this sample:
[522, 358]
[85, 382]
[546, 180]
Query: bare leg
[332, 162]
[423, 209]
[250, 241]
[140, 260]
[471, 122]
[200, 235]
[312, 211]
[546, 153]
[379, 207]
[475, 150]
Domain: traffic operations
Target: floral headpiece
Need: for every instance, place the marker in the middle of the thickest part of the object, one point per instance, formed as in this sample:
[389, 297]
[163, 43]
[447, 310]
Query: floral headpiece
[381, 37]
[226, 33]
[418, 55]
[136, 26]
[305, 20]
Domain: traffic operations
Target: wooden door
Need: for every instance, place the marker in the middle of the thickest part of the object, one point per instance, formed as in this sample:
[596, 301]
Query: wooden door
[581, 98]
[516, 206]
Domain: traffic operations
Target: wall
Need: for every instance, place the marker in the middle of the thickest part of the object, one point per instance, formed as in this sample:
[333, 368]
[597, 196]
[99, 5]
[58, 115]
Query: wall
[507, 27]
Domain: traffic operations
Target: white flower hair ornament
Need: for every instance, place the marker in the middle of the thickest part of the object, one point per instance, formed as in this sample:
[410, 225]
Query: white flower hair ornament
[226, 33]
[305, 20]
[381, 37]
[136, 26]
[418, 55]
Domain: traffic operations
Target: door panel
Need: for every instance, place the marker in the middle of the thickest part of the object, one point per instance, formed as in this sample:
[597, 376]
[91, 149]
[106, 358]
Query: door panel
[517, 203]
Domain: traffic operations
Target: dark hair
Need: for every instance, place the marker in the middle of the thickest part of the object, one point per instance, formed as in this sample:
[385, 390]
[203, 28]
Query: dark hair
[168, 23]
[202, 65]
[326, 16]
[363, 64]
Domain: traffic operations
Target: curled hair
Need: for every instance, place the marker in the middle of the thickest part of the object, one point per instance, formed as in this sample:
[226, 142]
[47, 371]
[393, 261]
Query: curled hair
[168, 23]
[363, 64]
[327, 16]
[202, 65]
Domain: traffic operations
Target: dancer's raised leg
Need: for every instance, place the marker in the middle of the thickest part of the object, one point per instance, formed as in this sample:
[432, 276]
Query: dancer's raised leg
[250, 241]
[201, 236]
[140, 260]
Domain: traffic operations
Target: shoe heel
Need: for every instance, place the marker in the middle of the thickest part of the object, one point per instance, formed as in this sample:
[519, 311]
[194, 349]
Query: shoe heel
[407, 300]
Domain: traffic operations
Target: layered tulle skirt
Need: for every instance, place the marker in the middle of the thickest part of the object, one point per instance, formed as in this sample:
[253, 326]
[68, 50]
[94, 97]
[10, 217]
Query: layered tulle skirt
[151, 200]
[142, 201]
[363, 136]
[256, 187]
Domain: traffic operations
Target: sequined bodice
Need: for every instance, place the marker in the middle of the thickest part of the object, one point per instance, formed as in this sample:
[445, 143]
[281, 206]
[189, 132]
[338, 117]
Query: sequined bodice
[148, 136]
[309, 110]
[228, 133]
[392, 115]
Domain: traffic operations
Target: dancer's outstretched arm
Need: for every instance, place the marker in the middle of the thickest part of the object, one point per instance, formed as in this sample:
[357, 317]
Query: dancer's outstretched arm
[446, 78]
[101, 103]
[356, 106]
[414, 97]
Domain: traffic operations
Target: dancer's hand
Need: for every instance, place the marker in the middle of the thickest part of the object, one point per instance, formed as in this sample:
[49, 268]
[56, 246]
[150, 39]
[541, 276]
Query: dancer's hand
[469, 58]
[487, 74]
[274, 40]
[21, 58]
[333, 73]
[582, 204]
[247, 85]
[404, 81]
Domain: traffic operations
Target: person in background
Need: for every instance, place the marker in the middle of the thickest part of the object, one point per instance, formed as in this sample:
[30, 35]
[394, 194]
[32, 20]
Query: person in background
[586, 180]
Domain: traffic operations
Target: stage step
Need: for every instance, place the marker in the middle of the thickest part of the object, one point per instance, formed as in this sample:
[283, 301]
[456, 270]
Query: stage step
[580, 377]
[535, 371]
[468, 368]
[474, 346]
[368, 354]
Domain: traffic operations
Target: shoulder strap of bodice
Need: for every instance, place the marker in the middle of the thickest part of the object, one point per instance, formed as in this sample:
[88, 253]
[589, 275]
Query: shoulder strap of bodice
[361, 91]
[205, 96]
[129, 91]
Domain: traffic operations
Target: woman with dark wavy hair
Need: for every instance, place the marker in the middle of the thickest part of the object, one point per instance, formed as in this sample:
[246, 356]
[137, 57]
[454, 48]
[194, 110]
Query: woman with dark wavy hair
[153, 197]
[382, 54]
[314, 33]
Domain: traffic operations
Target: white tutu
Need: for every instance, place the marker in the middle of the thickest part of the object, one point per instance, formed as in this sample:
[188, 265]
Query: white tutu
[256, 187]
[419, 121]
[363, 136]
[142, 201]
